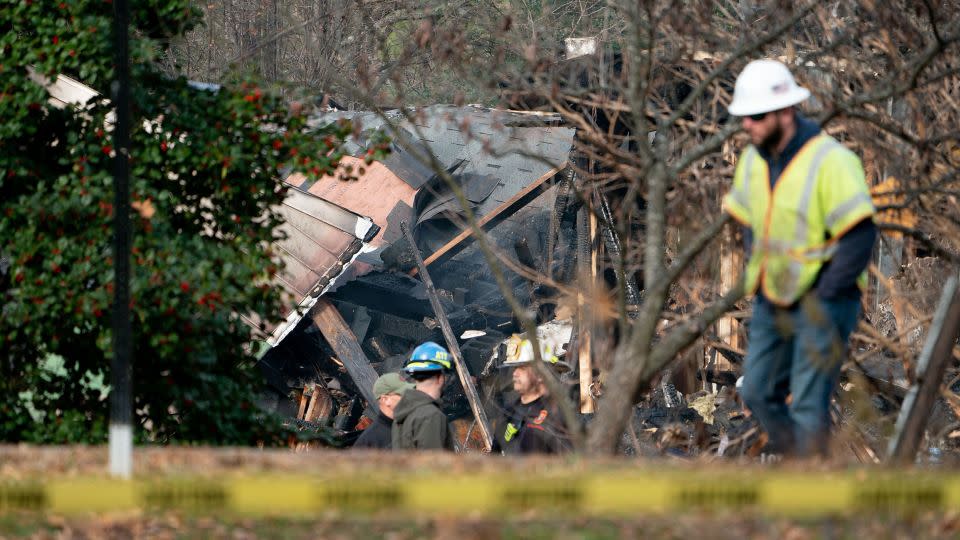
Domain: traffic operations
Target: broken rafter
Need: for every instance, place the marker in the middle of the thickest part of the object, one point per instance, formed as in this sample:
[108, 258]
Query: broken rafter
[303, 404]
[341, 339]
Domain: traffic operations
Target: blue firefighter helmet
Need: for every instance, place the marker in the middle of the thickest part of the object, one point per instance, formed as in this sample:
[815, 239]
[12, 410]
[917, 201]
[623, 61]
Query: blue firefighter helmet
[428, 357]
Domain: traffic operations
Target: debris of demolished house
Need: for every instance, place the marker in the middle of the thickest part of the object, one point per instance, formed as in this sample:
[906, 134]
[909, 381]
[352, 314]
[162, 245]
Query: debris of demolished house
[513, 168]
[356, 306]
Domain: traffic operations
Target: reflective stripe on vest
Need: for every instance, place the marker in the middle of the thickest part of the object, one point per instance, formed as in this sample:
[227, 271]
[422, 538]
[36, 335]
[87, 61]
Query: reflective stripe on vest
[843, 208]
[789, 292]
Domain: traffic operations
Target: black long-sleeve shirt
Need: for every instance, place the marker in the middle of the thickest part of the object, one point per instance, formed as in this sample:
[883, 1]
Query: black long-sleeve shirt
[377, 434]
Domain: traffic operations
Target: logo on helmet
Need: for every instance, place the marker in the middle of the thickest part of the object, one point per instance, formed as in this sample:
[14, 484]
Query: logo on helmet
[781, 88]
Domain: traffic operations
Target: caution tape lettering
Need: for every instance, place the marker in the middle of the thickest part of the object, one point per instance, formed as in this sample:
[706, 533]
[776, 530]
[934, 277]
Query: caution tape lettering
[718, 495]
[23, 497]
[543, 497]
[362, 498]
[898, 496]
[190, 496]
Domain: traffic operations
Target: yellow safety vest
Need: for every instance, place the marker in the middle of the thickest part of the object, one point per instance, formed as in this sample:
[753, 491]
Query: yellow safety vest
[820, 195]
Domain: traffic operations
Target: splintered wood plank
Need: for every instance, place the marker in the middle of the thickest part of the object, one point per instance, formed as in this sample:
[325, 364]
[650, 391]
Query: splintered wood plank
[313, 403]
[303, 404]
[585, 352]
[728, 328]
[321, 405]
[586, 372]
[341, 339]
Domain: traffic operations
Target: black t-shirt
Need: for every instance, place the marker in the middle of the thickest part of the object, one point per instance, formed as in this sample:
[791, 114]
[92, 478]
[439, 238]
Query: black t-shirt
[530, 428]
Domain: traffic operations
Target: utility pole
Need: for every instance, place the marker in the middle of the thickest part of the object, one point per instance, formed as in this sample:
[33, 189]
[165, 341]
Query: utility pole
[121, 404]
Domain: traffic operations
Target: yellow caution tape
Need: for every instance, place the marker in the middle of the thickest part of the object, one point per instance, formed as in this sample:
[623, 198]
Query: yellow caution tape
[601, 494]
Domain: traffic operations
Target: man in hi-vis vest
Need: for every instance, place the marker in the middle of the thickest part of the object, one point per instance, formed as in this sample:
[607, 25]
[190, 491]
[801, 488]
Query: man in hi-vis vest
[809, 234]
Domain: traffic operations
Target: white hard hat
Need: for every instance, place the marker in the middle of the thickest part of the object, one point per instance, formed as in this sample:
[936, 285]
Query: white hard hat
[520, 352]
[764, 86]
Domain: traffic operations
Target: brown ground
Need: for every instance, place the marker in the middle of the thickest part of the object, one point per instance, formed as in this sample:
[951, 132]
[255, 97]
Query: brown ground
[19, 462]
[686, 527]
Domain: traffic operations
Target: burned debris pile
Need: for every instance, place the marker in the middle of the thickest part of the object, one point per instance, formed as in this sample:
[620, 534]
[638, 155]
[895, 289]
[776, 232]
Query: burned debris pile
[376, 309]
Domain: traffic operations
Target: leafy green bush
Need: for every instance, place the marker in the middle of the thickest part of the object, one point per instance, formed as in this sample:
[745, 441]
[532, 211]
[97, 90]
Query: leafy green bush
[204, 165]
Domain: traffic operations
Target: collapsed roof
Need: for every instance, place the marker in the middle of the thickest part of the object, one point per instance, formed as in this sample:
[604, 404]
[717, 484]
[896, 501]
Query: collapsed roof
[508, 164]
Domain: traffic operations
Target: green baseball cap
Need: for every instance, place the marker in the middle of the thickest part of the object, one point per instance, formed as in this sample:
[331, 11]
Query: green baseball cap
[390, 383]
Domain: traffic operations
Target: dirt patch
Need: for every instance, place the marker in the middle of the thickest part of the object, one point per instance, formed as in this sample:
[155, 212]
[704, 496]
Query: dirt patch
[686, 526]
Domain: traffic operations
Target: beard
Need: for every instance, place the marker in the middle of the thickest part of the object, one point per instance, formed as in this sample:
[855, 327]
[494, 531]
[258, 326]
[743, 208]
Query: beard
[770, 143]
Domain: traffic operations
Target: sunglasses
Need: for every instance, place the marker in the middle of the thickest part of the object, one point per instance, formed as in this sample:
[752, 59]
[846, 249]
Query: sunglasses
[758, 117]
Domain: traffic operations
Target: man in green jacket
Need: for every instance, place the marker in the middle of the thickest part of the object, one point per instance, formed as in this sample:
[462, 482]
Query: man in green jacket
[418, 422]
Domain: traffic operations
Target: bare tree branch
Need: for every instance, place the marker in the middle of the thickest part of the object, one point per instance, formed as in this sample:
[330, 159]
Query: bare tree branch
[736, 55]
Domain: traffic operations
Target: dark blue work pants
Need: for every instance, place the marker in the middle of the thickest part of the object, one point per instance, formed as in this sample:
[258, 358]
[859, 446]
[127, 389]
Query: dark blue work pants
[796, 351]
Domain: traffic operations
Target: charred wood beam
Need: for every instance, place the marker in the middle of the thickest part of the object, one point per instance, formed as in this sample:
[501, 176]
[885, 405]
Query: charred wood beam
[611, 239]
[468, 387]
[391, 325]
[557, 244]
[524, 254]
[563, 237]
[720, 377]
[387, 292]
[341, 339]
[731, 354]
[349, 414]
[360, 324]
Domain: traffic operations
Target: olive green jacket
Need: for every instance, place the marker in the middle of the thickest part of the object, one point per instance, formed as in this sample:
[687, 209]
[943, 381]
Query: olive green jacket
[418, 423]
